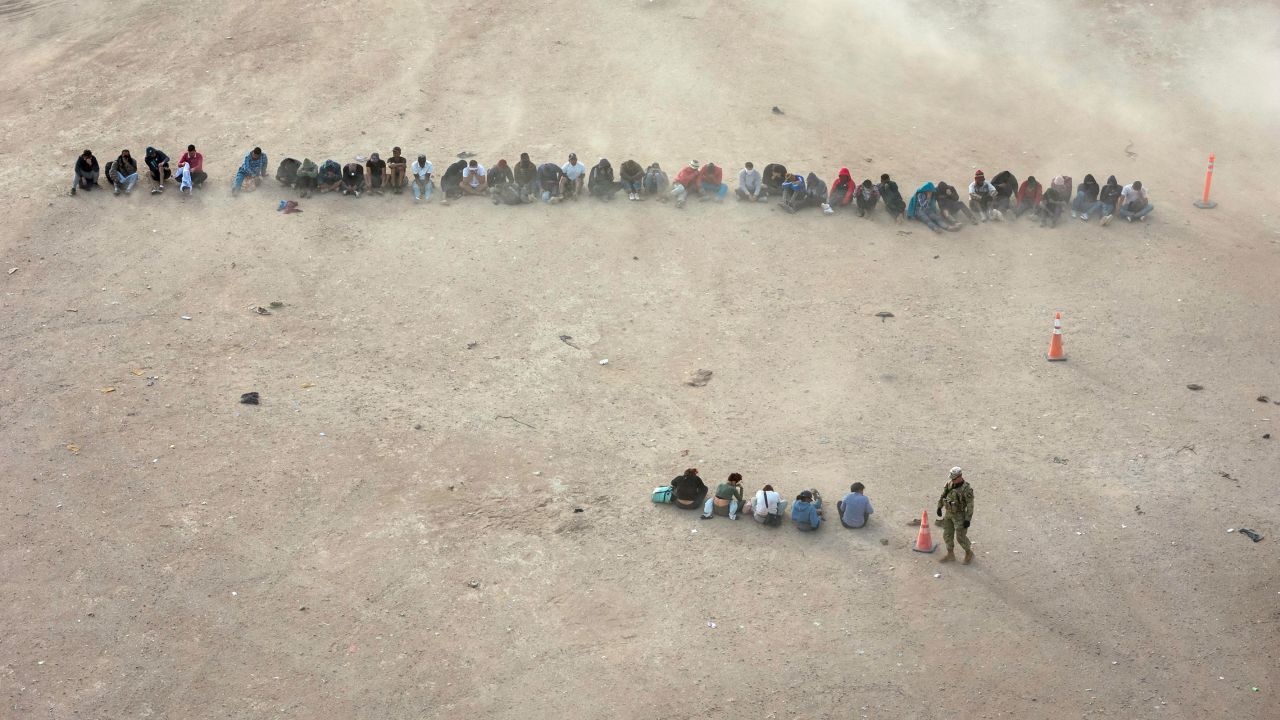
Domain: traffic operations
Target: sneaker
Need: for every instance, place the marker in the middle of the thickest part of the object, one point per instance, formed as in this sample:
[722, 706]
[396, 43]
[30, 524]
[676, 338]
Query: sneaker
[356, 193]
[1129, 218]
[680, 203]
[1142, 218]
[1106, 220]
[1084, 218]
[117, 190]
[704, 517]
[73, 191]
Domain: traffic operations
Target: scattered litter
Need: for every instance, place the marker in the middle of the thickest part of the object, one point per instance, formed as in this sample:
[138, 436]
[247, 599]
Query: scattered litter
[307, 386]
[288, 207]
[578, 510]
[1227, 475]
[473, 584]
[261, 310]
[513, 419]
[1060, 461]
[75, 449]
[711, 624]
[1194, 386]
[777, 110]
[276, 304]
[568, 340]
[604, 361]
[1266, 436]
[250, 398]
[1251, 534]
[915, 522]
[466, 154]
[1138, 509]
[106, 390]
[472, 345]
[1263, 399]
[186, 317]
[937, 575]
[1231, 530]
[13, 270]
[138, 372]
[884, 541]
[884, 315]
[699, 379]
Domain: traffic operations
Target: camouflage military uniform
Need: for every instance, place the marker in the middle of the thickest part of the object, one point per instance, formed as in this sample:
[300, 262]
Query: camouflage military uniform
[958, 501]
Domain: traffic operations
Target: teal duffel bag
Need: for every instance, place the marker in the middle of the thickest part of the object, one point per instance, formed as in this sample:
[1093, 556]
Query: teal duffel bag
[663, 494]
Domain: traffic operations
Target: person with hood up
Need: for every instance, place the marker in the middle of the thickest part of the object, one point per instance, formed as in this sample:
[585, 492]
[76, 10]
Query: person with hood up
[774, 175]
[686, 181]
[689, 490]
[982, 197]
[949, 203]
[158, 166]
[655, 182]
[1006, 187]
[1108, 196]
[86, 168]
[632, 178]
[1086, 196]
[893, 202]
[500, 176]
[866, 197]
[525, 175]
[421, 182]
[750, 187]
[924, 207]
[330, 176]
[550, 178]
[1133, 202]
[600, 182]
[308, 176]
[451, 181]
[842, 190]
[1054, 201]
[806, 512]
[1028, 196]
[711, 184]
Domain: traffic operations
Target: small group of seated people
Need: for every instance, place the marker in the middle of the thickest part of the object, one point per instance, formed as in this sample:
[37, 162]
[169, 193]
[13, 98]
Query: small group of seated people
[767, 507]
[694, 179]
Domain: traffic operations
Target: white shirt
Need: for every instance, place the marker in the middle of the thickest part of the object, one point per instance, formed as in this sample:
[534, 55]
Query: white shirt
[420, 171]
[766, 503]
[475, 173]
[1129, 194]
[985, 188]
[749, 180]
[573, 172]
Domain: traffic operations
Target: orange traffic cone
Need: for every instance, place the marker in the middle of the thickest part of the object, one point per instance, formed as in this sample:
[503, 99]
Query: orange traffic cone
[924, 541]
[1055, 345]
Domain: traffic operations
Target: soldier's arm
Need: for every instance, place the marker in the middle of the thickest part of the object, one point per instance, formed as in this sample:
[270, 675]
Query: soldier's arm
[968, 505]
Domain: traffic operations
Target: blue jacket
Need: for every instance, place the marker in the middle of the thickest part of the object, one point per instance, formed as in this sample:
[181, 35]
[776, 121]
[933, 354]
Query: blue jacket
[802, 512]
[797, 184]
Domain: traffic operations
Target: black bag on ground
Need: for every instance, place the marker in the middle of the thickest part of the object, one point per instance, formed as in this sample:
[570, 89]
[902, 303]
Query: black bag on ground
[288, 172]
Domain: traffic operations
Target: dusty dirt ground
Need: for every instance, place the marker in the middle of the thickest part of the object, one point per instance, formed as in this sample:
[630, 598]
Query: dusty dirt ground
[168, 552]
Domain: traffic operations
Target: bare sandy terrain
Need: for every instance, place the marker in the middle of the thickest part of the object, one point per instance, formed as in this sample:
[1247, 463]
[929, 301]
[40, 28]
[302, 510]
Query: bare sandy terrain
[168, 552]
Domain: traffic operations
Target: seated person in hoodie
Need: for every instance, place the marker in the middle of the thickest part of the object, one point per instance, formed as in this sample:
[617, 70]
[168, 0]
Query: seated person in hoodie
[550, 177]
[500, 176]
[600, 182]
[842, 190]
[867, 196]
[1054, 201]
[949, 203]
[352, 179]
[689, 489]
[924, 207]
[308, 174]
[982, 197]
[656, 182]
[1086, 196]
[728, 495]
[123, 172]
[86, 168]
[686, 181]
[330, 176]
[451, 181]
[893, 202]
[774, 175]
[632, 179]
[1133, 202]
[806, 512]
[750, 187]
[711, 185]
[1006, 188]
[525, 176]
[1028, 196]
[1108, 196]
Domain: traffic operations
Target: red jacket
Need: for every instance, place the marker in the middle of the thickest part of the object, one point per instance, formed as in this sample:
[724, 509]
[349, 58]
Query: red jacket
[711, 175]
[1025, 193]
[195, 160]
[850, 187]
[687, 176]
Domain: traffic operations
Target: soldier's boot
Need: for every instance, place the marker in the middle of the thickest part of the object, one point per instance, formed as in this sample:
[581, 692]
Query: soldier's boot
[968, 556]
[949, 557]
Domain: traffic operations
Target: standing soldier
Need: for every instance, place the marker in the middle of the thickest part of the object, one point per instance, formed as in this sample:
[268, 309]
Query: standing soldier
[957, 498]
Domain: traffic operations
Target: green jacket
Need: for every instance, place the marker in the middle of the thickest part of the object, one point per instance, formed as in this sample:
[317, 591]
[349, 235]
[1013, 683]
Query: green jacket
[958, 500]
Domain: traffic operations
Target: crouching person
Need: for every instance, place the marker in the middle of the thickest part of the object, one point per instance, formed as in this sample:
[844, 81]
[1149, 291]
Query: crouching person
[806, 513]
[855, 509]
[728, 495]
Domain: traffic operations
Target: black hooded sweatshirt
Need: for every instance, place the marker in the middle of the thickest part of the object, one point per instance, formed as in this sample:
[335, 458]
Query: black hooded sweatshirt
[1110, 193]
[1089, 187]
